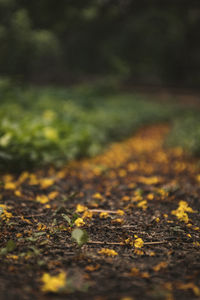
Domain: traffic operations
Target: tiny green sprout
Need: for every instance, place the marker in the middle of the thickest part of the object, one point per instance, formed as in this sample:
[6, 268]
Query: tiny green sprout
[74, 217]
[80, 236]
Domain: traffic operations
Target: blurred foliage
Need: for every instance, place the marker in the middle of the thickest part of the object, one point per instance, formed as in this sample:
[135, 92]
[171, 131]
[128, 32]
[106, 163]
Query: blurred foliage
[50, 126]
[186, 133]
[60, 41]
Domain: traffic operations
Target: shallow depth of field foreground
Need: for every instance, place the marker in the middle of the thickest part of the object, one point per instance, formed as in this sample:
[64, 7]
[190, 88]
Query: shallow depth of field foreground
[122, 225]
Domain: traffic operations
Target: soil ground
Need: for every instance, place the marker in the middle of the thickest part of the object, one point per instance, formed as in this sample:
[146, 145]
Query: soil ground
[137, 198]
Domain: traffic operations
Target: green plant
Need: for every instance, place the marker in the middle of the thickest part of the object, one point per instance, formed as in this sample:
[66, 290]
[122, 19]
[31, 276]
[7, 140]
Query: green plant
[40, 126]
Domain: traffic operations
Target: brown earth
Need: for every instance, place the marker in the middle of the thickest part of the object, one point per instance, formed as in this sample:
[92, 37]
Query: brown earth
[138, 199]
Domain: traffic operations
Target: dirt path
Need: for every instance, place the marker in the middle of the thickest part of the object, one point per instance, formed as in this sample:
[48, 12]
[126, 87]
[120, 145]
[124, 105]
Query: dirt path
[136, 199]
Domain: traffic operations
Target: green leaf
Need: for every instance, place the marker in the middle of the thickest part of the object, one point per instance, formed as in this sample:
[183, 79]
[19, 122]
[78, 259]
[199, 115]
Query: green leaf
[1, 210]
[31, 239]
[10, 246]
[3, 251]
[80, 236]
[54, 223]
[67, 218]
[74, 217]
[35, 250]
[37, 234]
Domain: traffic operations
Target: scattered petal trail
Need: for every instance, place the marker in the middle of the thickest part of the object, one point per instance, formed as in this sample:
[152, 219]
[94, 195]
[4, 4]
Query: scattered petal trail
[138, 202]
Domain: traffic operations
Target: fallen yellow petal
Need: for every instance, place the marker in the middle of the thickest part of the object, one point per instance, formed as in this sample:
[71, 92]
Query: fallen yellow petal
[79, 222]
[139, 243]
[42, 199]
[81, 208]
[46, 182]
[161, 265]
[10, 186]
[107, 252]
[53, 283]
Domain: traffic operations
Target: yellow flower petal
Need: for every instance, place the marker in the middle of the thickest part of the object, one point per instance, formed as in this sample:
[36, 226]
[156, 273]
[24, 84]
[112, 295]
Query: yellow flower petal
[53, 283]
[46, 182]
[161, 265]
[120, 212]
[79, 222]
[142, 204]
[138, 243]
[107, 252]
[103, 215]
[10, 186]
[42, 199]
[81, 208]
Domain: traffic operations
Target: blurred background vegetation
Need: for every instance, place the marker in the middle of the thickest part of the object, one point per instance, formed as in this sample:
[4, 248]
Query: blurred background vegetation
[42, 126]
[147, 41]
[66, 67]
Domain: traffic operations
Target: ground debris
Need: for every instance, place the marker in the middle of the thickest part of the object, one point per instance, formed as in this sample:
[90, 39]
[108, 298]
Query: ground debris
[137, 203]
